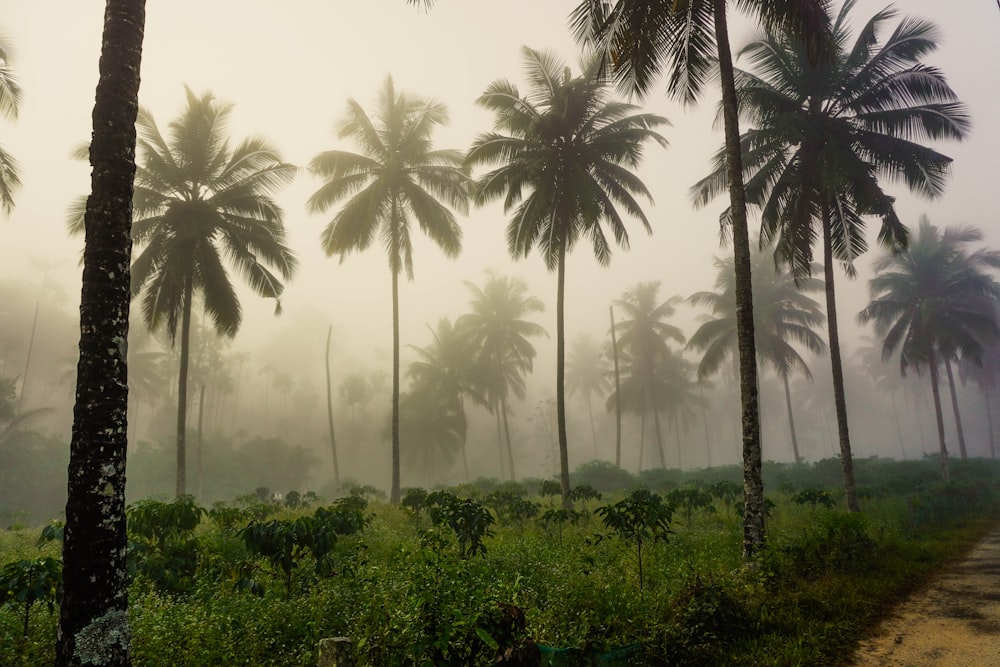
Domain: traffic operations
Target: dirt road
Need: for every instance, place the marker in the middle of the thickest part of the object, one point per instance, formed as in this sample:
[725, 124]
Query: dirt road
[953, 622]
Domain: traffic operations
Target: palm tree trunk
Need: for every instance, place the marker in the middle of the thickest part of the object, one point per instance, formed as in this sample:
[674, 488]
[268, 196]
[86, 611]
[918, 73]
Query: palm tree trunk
[394, 491]
[989, 421]
[954, 409]
[506, 432]
[642, 436]
[839, 397]
[27, 359]
[791, 420]
[659, 434]
[936, 394]
[94, 602]
[753, 483]
[704, 417]
[677, 439]
[618, 392]
[593, 431]
[496, 413]
[182, 378]
[567, 503]
[201, 419]
[329, 413]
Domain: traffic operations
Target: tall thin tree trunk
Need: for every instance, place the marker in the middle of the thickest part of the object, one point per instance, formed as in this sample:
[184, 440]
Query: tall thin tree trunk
[236, 396]
[394, 492]
[500, 450]
[201, 419]
[567, 502]
[954, 409]
[839, 396]
[659, 434]
[593, 430]
[182, 379]
[677, 438]
[642, 435]
[27, 359]
[791, 420]
[506, 430]
[989, 421]
[936, 394]
[329, 413]
[93, 611]
[618, 392]
[465, 433]
[704, 417]
[753, 482]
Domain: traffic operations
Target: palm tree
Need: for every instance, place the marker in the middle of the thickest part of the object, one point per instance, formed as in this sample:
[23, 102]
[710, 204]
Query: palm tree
[986, 376]
[564, 157]
[643, 339]
[884, 380]
[197, 201]
[397, 176]
[934, 302]
[826, 132]
[587, 374]
[498, 334]
[434, 429]
[448, 369]
[783, 315]
[94, 601]
[10, 101]
[689, 39]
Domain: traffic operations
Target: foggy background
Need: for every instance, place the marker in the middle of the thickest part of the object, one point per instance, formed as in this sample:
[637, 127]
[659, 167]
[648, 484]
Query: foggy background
[289, 68]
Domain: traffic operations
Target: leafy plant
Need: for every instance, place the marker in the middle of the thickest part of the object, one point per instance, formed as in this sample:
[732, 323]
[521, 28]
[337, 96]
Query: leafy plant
[642, 517]
[559, 518]
[26, 582]
[814, 498]
[583, 493]
[163, 547]
[691, 499]
[53, 532]
[470, 520]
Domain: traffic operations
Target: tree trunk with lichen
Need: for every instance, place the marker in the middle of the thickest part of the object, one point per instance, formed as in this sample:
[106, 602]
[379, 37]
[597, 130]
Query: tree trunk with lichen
[93, 614]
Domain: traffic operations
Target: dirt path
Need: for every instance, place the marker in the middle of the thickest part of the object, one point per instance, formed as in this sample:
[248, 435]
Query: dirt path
[953, 622]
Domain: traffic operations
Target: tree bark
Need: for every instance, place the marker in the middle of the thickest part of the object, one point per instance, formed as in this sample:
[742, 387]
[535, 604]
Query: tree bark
[753, 483]
[201, 419]
[329, 413]
[618, 392]
[506, 431]
[954, 409]
[567, 502]
[182, 378]
[839, 396]
[791, 420]
[93, 612]
[394, 494]
[936, 395]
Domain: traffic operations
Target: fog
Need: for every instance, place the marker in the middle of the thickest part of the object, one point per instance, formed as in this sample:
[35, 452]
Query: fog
[288, 69]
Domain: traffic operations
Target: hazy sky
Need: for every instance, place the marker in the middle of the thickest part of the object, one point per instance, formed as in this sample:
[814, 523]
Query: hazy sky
[288, 68]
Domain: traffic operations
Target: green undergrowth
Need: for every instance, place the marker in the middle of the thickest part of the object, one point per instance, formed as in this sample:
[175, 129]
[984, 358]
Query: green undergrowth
[445, 581]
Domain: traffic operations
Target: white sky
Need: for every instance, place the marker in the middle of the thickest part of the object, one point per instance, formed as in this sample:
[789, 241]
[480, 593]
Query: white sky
[288, 67]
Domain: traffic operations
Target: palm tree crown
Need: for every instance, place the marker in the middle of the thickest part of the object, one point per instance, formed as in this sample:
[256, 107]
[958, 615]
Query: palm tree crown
[563, 157]
[396, 177]
[198, 201]
[10, 102]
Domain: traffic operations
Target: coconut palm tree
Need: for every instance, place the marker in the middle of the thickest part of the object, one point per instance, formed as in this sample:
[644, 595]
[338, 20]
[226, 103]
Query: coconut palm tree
[448, 369]
[935, 302]
[688, 40]
[643, 337]
[93, 607]
[783, 316]
[986, 376]
[198, 201]
[498, 333]
[563, 156]
[396, 177]
[433, 427]
[10, 101]
[825, 133]
[587, 374]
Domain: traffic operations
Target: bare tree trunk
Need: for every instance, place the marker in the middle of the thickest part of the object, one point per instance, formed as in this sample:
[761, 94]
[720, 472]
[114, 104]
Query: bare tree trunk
[93, 611]
[618, 392]
[659, 435]
[329, 413]
[791, 420]
[839, 396]
[27, 360]
[567, 502]
[899, 427]
[593, 430]
[394, 493]
[704, 417]
[500, 450]
[182, 379]
[989, 421]
[201, 418]
[506, 431]
[936, 394]
[954, 409]
[753, 483]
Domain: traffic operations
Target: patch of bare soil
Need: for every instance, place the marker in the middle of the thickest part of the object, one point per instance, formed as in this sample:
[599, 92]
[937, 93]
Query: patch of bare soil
[953, 622]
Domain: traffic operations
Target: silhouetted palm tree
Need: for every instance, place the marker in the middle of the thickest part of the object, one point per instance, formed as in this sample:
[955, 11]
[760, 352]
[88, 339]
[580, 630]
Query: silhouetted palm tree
[783, 316]
[564, 157]
[395, 178]
[498, 334]
[10, 101]
[825, 133]
[199, 202]
[643, 339]
[688, 40]
[934, 302]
